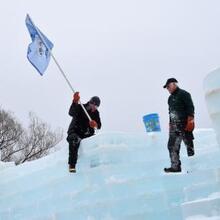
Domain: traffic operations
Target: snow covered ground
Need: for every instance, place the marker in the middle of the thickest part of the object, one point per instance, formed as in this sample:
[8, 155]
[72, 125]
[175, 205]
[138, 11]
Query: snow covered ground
[119, 176]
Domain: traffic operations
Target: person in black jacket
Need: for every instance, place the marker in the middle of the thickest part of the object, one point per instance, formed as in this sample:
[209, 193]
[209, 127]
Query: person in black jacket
[80, 126]
[181, 116]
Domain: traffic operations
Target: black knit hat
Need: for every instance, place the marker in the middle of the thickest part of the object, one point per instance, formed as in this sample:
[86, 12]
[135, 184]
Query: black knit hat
[170, 80]
[95, 100]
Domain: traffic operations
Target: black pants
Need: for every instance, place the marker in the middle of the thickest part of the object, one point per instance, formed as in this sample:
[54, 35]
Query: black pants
[74, 142]
[174, 143]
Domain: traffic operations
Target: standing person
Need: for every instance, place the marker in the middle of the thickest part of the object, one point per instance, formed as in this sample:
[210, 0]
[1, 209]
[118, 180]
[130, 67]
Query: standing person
[80, 126]
[181, 115]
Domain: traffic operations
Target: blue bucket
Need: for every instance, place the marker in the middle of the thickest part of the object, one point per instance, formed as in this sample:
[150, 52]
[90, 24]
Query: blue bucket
[152, 123]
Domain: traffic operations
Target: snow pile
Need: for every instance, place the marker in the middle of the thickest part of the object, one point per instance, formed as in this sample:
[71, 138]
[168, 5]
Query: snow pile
[120, 176]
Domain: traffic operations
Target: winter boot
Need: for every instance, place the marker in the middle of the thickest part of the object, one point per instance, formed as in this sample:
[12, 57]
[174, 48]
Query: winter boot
[190, 152]
[172, 170]
[72, 169]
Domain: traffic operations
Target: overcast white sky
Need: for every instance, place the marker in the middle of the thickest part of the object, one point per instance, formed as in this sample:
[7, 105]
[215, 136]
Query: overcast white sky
[120, 50]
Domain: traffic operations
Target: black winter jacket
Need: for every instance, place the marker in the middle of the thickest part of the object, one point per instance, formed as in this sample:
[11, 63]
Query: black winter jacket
[80, 122]
[180, 106]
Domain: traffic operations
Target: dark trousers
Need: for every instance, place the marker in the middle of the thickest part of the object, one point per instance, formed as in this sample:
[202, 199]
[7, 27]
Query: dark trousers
[174, 143]
[74, 142]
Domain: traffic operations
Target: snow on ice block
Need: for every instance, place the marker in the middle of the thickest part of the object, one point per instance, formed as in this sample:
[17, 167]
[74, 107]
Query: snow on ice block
[209, 206]
[212, 96]
[202, 190]
[202, 217]
[5, 165]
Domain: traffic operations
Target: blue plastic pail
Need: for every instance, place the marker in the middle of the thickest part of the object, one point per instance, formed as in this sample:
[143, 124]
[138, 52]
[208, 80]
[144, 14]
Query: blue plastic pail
[152, 122]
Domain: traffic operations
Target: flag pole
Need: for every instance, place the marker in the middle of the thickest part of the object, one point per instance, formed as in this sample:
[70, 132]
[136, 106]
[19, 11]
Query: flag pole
[59, 67]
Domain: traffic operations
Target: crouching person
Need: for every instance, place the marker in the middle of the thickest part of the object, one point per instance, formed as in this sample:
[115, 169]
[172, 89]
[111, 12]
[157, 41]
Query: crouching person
[80, 126]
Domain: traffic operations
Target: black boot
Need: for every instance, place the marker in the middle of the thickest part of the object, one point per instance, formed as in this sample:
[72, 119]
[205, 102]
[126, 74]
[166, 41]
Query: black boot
[172, 170]
[72, 169]
[190, 152]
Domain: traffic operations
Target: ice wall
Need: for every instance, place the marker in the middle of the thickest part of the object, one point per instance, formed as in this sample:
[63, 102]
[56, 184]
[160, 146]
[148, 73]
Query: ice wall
[212, 96]
[119, 177]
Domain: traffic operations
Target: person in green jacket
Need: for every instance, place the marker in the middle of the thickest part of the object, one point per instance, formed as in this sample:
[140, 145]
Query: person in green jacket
[181, 123]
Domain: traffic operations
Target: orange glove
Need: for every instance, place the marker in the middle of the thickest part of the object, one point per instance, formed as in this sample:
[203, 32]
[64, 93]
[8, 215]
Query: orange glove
[190, 125]
[76, 97]
[93, 124]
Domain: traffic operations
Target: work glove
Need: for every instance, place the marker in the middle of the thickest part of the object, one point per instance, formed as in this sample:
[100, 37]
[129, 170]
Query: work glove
[76, 97]
[93, 124]
[190, 124]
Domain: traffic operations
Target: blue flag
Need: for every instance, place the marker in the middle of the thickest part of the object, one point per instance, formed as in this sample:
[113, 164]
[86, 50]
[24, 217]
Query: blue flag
[38, 51]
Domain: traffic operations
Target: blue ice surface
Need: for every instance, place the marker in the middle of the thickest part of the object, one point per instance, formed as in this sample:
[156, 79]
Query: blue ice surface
[119, 176]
